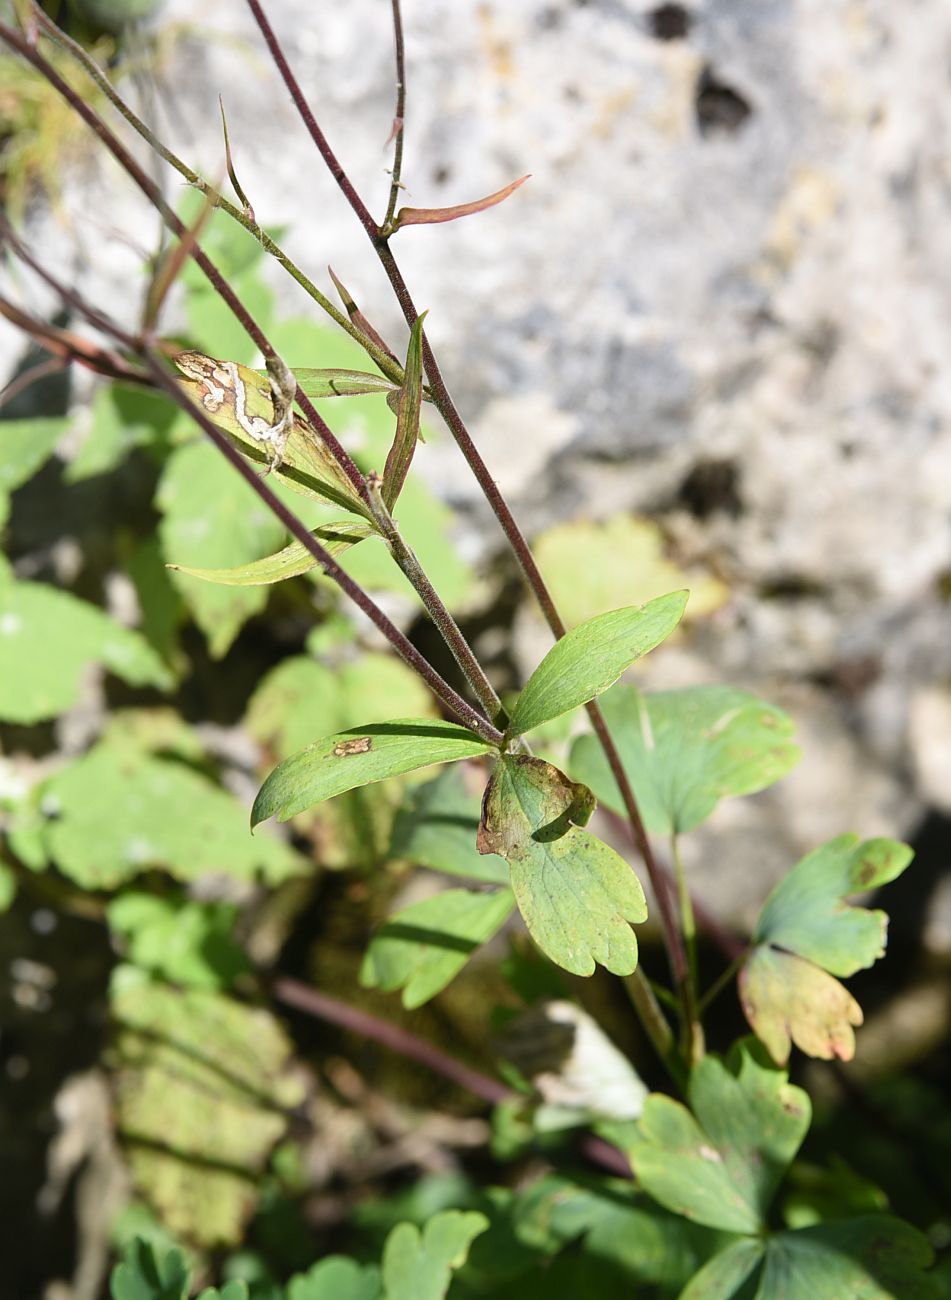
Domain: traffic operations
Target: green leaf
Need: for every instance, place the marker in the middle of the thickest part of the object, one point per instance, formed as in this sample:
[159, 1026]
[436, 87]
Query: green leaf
[576, 895]
[807, 914]
[290, 562]
[336, 1278]
[407, 418]
[339, 382]
[721, 1165]
[188, 942]
[788, 1000]
[307, 466]
[685, 750]
[211, 518]
[203, 1092]
[437, 828]
[423, 947]
[146, 1275]
[359, 756]
[419, 1266]
[122, 417]
[117, 813]
[47, 640]
[25, 446]
[872, 1258]
[8, 887]
[807, 934]
[590, 566]
[590, 658]
[234, 1290]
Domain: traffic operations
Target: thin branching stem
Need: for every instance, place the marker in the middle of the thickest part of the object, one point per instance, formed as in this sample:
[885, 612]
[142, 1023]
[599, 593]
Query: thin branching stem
[399, 118]
[381, 359]
[160, 376]
[673, 939]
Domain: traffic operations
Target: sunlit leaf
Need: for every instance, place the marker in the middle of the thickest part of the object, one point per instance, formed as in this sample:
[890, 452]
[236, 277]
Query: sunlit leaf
[26, 445]
[720, 1162]
[590, 658]
[576, 895]
[422, 948]
[336, 1278]
[358, 757]
[290, 562]
[419, 1265]
[338, 382]
[149, 1274]
[806, 934]
[116, 812]
[203, 1093]
[188, 942]
[684, 750]
[47, 640]
[122, 417]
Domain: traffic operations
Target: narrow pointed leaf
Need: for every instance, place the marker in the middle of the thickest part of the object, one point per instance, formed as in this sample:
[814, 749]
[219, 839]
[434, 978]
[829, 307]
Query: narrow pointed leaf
[358, 757]
[232, 174]
[234, 397]
[358, 318]
[590, 658]
[290, 562]
[433, 216]
[720, 1162]
[338, 382]
[422, 948]
[576, 895]
[407, 418]
[684, 750]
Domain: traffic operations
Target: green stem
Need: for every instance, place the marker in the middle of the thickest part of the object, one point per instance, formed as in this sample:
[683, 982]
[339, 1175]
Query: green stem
[448, 628]
[655, 1024]
[720, 983]
[692, 1043]
[398, 117]
[381, 359]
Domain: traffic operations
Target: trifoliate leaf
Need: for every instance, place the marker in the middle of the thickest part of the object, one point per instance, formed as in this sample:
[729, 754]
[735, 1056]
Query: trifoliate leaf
[419, 1265]
[422, 948]
[203, 1093]
[685, 750]
[25, 446]
[437, 828]
[876, 1257]
[48, 638]
[806, 934]
[336, 1278]
[720, 1162]
[149, 1274]
[576, 895]
[116, 812]
[360, 756]
[590, 658]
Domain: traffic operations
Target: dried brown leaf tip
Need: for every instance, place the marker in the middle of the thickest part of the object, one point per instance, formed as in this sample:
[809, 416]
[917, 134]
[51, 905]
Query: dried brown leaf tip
[432, 216]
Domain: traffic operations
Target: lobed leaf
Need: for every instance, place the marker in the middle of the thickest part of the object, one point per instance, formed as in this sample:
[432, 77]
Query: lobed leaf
[25, 446]
[807, 934]
[685, 750]
[720, 1162]
[422, 948]
[336, 1278]
[590, 658]
[876, 1257]
[576, 895]
[47, 640]
[360, 756]
[437, 828]
[419, 1265]
[145, 1275]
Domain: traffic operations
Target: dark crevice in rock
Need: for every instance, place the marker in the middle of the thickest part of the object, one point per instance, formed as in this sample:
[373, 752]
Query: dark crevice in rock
[670, 22]
[720, 108]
